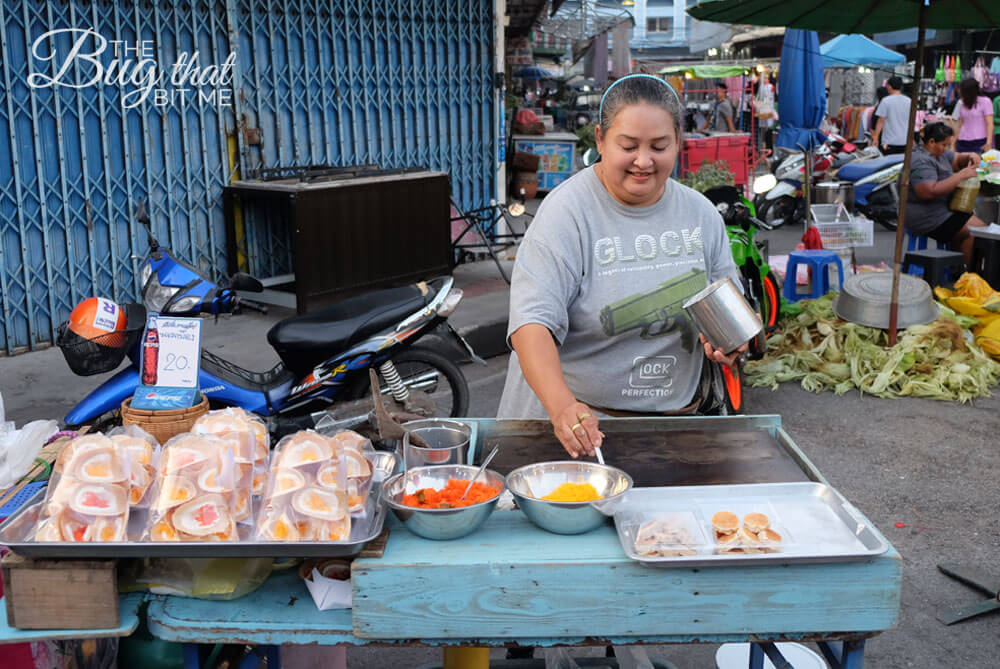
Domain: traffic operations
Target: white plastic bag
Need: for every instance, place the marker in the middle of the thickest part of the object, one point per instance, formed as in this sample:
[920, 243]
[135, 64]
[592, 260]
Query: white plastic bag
[19, 448]
[632, 657]
[558, 658]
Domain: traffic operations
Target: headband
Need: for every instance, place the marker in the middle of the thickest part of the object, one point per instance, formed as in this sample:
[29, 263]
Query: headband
[600, 113]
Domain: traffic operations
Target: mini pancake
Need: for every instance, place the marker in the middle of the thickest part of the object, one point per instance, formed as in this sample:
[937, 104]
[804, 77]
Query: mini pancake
[212, 480]
[286, 481]
[725, 522]
[174, 490]
[106, 529]
[746, 537]
[97, 466]
[319, 503]
[93, 499]
[755, 522]
[305, 448]
[768, 536]
[202, 517]
[280, 528]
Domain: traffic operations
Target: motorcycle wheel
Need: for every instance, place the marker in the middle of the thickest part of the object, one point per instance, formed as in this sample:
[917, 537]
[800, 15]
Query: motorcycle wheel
[777, 212]
[424, 370]
[883, 209]
[772, 301]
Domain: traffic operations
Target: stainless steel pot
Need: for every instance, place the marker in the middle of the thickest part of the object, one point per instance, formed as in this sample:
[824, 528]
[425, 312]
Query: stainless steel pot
[865, 300]
[723, 315]
[833, 192]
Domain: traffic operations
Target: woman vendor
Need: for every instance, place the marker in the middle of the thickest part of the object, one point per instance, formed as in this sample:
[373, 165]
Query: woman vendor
[596, 322]
[934, 173]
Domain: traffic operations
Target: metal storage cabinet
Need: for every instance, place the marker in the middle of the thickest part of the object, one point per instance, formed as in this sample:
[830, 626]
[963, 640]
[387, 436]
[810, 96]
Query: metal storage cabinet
[350, 233]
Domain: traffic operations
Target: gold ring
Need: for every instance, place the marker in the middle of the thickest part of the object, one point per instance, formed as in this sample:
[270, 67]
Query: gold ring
[584, 415]
[575, 426]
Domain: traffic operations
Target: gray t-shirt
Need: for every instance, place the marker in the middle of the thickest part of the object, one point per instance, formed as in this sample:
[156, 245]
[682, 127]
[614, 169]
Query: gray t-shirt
[896, 111]
[923, 216]
[723, 110]
[608, 281]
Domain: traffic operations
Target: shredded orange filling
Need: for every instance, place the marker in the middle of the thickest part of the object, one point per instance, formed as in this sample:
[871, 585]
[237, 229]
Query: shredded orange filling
[450, 497]
[574, 492]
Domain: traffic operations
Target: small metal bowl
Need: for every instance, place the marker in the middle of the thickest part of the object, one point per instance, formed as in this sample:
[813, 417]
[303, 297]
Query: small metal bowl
[440, 524]
[530, 483]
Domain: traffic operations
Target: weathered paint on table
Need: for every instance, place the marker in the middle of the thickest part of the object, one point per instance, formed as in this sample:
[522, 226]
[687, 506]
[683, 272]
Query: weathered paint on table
[128, 605]
[510, 581]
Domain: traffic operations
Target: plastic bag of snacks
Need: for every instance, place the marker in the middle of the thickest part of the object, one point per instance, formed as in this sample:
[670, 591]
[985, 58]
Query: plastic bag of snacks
[196, 496]
[306, 496]
[235, 428]
[352, 448]
[143, 452]
[88, 496]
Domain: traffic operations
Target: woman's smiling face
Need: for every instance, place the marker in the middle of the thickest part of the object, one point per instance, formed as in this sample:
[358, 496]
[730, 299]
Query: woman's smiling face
[638, 152]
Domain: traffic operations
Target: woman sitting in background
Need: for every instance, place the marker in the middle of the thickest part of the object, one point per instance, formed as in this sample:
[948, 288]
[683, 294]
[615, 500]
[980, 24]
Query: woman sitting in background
[934, 173]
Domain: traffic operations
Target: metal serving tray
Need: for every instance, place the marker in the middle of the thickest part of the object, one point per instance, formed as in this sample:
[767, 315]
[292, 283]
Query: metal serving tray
[14, 533]
[816, 523]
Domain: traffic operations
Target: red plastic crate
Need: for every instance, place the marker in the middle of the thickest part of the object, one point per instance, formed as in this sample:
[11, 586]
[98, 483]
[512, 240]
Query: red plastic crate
[734, 150]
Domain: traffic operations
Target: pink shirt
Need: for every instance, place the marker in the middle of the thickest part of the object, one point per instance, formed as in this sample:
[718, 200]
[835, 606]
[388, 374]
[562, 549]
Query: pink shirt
[974, 120]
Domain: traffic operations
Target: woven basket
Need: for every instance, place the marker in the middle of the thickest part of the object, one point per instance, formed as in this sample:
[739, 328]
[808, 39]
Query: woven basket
[164, 424]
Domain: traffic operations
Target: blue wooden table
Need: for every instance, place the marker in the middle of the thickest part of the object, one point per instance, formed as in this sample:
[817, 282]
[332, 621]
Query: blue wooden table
[513, 583]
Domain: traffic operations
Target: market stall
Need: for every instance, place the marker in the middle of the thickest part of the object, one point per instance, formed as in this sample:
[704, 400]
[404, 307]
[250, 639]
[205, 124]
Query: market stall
[510, 582]
[700, 84]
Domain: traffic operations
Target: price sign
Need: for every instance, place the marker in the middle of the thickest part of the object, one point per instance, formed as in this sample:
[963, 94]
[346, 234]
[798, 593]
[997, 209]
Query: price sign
[171, 347]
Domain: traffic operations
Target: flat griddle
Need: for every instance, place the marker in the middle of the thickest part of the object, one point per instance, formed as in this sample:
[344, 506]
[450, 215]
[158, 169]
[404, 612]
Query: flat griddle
[663, 451]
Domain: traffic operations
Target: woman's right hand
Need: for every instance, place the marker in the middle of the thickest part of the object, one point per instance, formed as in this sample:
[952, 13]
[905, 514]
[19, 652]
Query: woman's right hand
[968, 172]
[576, 427]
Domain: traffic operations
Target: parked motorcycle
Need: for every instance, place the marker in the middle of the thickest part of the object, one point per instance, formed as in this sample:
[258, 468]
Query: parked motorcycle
[875, 192]
[325, 355]
[782, 200]
[761, 286]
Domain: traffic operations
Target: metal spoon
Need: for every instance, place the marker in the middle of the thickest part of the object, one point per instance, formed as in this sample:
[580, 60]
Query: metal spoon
[482, 467]
[600, 456]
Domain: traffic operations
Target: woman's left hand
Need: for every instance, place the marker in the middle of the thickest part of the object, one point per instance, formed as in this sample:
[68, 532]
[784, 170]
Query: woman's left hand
[715, 354]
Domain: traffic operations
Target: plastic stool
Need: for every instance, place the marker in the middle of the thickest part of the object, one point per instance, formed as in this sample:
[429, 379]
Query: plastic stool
[934, 265]
[820, 262]
[919, 243]
[986, 260]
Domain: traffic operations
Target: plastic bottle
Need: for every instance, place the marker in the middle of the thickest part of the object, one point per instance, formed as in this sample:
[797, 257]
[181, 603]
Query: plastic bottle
[150, 355]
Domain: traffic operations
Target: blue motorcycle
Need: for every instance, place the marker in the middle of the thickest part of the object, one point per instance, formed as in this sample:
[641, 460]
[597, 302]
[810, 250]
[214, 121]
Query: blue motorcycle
[325, 355]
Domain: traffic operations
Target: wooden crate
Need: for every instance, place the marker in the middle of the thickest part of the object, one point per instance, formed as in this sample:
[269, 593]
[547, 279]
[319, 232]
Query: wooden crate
[60, 594]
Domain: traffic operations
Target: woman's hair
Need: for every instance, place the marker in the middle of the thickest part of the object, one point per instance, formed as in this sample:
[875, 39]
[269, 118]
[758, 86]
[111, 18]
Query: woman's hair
[880, 93]
[969, 91]
[936, 131]
[636, 88]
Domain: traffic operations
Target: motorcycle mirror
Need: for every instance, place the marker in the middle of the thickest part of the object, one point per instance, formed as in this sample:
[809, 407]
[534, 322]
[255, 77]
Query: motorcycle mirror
[143, 218]
[764, 183]
[590, 156]
[246, 282]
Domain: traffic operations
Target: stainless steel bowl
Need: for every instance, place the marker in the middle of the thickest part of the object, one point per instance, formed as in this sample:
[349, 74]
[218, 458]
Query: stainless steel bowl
[448, 441]
[865, 300]
[440, 524]
[530, 483]
[722, 314]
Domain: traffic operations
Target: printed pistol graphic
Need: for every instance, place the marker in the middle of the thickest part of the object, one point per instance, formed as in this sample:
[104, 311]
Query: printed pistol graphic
[659, 311]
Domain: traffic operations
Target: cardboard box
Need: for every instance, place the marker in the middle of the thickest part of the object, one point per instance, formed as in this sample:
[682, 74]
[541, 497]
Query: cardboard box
[60, 594]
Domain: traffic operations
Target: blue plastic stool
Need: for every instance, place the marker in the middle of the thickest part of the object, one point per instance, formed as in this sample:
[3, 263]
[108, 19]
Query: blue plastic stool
[919, 243]
[820, 262]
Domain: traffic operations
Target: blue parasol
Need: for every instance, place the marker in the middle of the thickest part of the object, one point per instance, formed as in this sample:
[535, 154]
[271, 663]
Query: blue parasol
[801, 91]
[853, 50]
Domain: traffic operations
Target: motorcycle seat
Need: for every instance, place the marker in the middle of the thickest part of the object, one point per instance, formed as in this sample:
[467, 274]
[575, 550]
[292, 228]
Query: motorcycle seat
[304, 341]
[860, 169]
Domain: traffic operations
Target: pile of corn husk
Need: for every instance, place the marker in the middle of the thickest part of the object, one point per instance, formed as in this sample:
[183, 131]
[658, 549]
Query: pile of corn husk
[937, 360]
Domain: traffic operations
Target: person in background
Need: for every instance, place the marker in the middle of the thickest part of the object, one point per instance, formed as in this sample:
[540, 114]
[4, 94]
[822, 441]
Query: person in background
[893, 114]
[765, 109]
[934, 173]
[996, 113]
[721, 119]
[974, 119]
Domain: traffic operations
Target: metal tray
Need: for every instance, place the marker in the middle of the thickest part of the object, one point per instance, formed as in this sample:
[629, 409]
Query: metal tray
[15, 530]
[816, 523]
